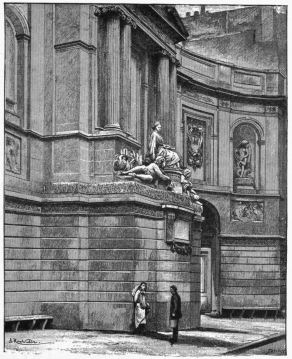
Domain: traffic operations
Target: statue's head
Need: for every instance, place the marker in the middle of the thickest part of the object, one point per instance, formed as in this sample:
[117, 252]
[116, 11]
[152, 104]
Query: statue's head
[156, 126]
[160, 161]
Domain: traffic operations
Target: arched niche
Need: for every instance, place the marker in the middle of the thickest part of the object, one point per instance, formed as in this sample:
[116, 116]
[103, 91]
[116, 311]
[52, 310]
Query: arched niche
[247, 137]
[17, 36]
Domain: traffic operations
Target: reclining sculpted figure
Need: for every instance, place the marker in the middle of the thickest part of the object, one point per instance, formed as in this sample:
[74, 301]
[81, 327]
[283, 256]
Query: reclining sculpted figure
[151, 173]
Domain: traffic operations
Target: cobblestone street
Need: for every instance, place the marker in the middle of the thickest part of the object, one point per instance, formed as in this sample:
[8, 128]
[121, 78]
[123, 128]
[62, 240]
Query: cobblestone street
[215, 337]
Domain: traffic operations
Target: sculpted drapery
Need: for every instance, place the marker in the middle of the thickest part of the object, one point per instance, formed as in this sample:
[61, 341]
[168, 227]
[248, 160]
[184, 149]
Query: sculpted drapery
[158, 148]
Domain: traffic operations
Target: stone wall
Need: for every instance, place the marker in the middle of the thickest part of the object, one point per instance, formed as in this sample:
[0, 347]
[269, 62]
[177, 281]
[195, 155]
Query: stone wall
[79, 259]
[250, 273]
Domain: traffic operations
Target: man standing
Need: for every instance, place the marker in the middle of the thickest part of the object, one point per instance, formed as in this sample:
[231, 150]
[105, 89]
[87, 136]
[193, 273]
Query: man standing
[175, 313]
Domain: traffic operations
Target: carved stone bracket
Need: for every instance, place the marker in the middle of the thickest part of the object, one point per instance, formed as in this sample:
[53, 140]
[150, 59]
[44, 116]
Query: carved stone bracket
[110, 9]
[183, 249]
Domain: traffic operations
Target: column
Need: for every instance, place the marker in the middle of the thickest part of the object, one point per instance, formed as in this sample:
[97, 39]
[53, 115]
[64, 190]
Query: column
[163, 95]
[113, 73]
[125, 77]
[172, 101]
[145, 90]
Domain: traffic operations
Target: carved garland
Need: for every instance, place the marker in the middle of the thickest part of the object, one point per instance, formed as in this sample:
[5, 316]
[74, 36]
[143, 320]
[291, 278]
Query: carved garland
[183, 249]
[104, 10]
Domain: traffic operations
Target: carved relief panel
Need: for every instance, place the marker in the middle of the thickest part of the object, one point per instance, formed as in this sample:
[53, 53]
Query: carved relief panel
[12, 153]
[247, 211]
[195, 154]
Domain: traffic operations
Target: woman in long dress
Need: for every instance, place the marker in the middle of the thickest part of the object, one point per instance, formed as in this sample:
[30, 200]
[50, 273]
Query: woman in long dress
[158, 148]
[141, 308]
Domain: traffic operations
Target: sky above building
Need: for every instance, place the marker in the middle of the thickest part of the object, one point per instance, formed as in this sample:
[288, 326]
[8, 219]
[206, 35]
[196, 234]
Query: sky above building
[183, 9]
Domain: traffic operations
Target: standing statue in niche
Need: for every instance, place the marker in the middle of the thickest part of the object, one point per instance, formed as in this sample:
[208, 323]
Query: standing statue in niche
[157, 148]
[242, 156]
[195, 146]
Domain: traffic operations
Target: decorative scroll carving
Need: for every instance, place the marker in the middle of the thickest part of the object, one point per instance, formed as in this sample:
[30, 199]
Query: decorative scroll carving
[12, 153]
[195, 144]
[242, 156]
[183, 249]
[108, 9]
[272, 109]
[247, 211]
[224, 103]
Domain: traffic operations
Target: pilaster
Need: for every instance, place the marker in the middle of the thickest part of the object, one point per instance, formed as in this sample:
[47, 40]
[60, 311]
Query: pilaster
[113, 74]
[126, 43]
[163, 95]
[172, 101]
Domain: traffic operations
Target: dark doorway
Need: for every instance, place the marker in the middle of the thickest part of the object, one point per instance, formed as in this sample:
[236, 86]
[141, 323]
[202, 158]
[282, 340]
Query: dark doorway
[210, 260]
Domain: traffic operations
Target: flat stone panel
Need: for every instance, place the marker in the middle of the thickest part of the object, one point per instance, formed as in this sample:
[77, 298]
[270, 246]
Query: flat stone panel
[119, 319]
[128, 232]
[67, 89]
[61, 254]
[21, 231]
[249, 253]
[250, 275]
[251, 301]
[49, 275]
[271, 282]
[61, 296]
[59, 221]
[24, 286]
[64, 285]
[110, 265]
[109, 296]
[30, 308]
[60, 265]
[27, 253]
[112, 221]
[112, 286]
[21, 276]
[22, 297]
[55, 243]
[128, 243]
[252, 290]
[66, 315]
[247, 260]
[12, 242]
[109, 276]
[21, 219]
[20, 265]
[62, 232]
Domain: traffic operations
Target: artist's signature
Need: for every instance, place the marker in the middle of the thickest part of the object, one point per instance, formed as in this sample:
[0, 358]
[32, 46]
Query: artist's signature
[23, 341]
[276, 351]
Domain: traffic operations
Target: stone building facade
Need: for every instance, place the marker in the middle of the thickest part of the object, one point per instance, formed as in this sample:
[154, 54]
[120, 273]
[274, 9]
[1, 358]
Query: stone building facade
[84, 84]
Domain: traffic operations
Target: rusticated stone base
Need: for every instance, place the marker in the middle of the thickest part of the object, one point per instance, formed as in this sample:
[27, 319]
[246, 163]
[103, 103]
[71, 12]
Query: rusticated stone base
[92, 244]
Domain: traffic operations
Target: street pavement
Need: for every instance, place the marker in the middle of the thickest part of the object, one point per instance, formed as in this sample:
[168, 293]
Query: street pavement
[215, 338]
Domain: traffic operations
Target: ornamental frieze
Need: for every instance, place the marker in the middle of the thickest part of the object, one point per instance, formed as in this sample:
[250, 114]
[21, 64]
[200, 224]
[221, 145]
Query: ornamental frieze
[129, 209]
[21, 205]
[118, 188]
